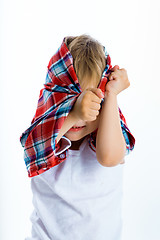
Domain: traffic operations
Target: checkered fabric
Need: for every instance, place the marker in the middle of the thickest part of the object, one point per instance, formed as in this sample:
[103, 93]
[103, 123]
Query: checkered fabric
[56, 99]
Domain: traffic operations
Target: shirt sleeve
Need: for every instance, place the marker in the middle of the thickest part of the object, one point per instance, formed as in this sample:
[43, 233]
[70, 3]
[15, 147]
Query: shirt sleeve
[128, 136]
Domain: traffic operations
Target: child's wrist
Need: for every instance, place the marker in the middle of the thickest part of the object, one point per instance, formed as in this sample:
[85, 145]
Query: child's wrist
[110, 94]
[73, 116]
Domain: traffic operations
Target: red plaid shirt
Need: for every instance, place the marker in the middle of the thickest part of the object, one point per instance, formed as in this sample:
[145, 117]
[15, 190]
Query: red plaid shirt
[56, 99]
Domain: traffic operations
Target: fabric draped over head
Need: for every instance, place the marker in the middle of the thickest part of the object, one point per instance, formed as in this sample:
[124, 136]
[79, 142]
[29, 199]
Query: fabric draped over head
[56, 99]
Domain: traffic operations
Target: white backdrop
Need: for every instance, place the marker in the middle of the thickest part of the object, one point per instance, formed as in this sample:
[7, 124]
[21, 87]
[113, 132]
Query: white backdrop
[31, 32]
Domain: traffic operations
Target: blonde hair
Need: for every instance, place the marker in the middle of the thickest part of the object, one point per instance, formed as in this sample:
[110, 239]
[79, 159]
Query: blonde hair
[88, 56]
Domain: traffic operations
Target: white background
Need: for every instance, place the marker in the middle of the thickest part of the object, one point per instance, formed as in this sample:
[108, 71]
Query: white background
[31, 32]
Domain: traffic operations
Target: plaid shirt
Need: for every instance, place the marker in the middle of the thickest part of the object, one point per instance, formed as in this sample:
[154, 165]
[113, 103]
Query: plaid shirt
[56, 99]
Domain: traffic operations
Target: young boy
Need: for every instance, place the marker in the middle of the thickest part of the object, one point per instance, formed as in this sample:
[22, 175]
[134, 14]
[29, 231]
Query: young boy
[77, 170]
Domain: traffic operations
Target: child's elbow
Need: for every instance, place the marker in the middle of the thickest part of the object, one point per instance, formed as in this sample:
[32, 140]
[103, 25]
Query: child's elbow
[109, 161]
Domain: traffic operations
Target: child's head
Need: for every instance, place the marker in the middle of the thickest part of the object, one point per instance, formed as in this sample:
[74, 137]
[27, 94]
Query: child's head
[89, 63]
[88, 59]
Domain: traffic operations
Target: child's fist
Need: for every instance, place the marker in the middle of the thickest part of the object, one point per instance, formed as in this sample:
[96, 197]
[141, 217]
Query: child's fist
[118, 81]
[87, 105]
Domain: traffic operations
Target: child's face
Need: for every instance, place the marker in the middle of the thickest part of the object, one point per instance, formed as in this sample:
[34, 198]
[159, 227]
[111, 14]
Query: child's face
[83, 128]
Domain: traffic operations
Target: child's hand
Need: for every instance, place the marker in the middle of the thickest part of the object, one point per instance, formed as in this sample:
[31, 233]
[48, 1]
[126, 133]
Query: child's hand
[87, 105]
[118, 81]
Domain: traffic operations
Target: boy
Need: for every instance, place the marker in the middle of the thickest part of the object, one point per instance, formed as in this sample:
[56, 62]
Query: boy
[75, 147]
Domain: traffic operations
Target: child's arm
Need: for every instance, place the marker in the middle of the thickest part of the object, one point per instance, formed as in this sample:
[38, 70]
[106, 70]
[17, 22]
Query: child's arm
[86, 108]
[110, 142]
[68, 123]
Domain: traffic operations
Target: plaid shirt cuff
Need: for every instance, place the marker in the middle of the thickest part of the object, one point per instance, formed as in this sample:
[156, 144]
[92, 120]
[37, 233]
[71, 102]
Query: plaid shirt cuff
[62, 145]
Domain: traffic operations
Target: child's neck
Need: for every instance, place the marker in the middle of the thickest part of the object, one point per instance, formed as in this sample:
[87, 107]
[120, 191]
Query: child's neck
[76, 144]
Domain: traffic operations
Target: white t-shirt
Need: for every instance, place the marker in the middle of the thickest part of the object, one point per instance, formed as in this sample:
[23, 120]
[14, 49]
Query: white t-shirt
[79, 199]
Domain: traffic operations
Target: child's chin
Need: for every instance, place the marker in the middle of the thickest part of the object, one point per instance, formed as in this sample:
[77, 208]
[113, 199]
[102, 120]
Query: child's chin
[73, 138]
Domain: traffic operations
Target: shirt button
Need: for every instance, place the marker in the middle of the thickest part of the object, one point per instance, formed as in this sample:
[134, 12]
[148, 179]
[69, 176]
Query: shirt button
[62, 155]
